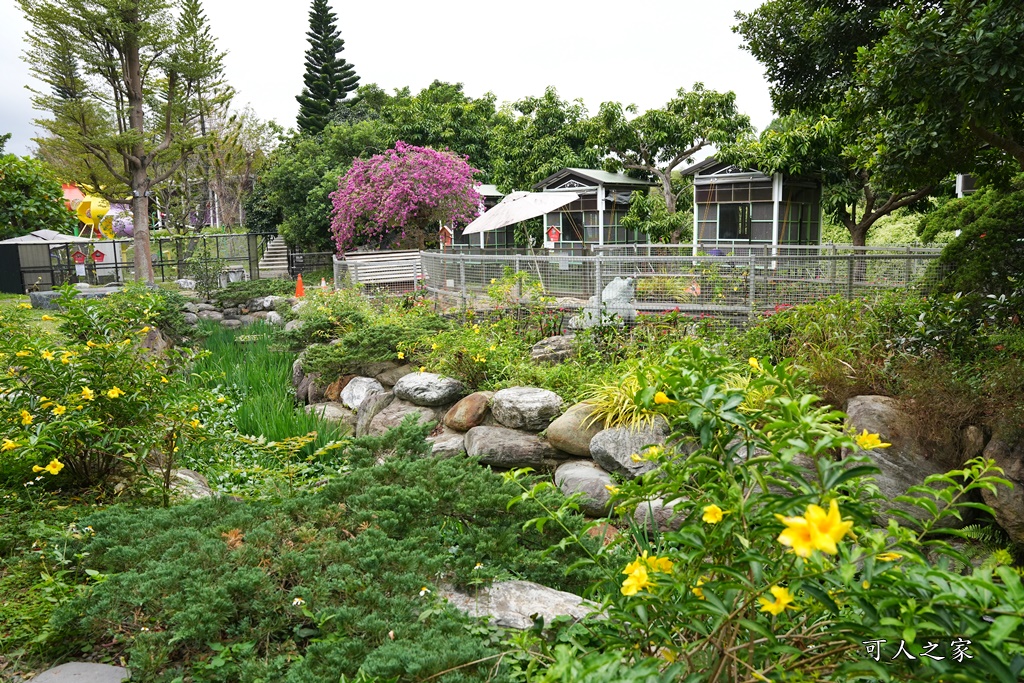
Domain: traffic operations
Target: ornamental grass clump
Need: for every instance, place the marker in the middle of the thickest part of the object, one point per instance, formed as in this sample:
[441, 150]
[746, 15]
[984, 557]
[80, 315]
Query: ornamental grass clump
[774, 569]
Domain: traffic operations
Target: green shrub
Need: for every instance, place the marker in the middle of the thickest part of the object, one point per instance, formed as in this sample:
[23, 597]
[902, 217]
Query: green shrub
[237, 293]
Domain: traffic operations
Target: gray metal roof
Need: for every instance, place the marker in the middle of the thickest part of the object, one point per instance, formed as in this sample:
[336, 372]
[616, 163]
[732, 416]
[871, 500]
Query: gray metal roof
[45, 237]
[598, 176]
[488, 191]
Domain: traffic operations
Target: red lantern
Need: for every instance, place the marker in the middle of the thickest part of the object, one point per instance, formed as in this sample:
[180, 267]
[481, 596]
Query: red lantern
[78, 257]
[98, 256]
[554, 234]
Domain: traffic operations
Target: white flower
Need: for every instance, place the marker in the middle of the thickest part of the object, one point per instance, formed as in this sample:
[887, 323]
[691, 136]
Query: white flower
[424, 591]
[479, 565]
[298, 602]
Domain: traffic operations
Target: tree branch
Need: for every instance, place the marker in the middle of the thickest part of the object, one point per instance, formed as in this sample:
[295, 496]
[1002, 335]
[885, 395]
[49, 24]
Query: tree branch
[1008, 145]
[104, 157]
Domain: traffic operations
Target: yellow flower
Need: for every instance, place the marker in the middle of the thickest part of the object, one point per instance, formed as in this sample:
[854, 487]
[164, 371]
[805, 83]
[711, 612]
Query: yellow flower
[47, 355]
[433, 347]
[635, 457]
[636, 581]
[59, 409]
[25, 306]
[54, 467]
[888, 557]
[697, 590]
[754, 363]
[221, 399]
[423, 368]
[713, 514]
[870, 441]
[401, 355]
[661, 398]
[796, 535]
[614, 490]
[37, 468]
[8, 445]
[114, 393]
[827, 529]
[783, 600]
[493, 347]
[66, 358]
[88, 394]
[195, 423]
[144, 330]
[493, 280]
[45, 402]
[91, 344]
[23, 354]
[47, 318]
[26, 418]
[164, 380]
[127, 341]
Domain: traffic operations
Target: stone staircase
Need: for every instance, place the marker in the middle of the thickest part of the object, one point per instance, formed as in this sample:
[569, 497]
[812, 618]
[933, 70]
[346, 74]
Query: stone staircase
[274, 263]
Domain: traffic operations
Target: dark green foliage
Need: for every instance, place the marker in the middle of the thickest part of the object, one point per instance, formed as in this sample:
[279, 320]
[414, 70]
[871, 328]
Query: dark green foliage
[358, 554]
[262, 214]
[30, 198]
[328, 78]
[239, 292]
[988, 256]
[368, 344]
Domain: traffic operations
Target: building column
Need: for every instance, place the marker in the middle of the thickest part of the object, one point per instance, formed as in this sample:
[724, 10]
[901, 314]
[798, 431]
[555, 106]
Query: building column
[776, 206]
[600, 218]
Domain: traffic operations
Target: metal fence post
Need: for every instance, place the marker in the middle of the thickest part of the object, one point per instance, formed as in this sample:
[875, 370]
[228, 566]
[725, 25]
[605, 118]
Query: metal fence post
[850, 265]
[519, 282]
[752, 275]
[599, 289]
[907, 270]
[462, 279]
[417, 272]
[253, 247]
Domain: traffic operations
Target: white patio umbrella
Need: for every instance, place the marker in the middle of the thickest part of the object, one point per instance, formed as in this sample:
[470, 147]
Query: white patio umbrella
[519, 206]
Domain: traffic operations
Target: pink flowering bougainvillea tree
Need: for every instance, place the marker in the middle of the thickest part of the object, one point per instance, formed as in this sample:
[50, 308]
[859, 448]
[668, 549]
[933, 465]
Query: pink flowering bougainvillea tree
[398, 197]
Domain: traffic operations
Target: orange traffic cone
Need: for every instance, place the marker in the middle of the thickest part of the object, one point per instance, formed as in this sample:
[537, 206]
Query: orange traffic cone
[300, 291]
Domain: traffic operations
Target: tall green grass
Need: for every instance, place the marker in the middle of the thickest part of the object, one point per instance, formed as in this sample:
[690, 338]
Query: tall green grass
[261, 375]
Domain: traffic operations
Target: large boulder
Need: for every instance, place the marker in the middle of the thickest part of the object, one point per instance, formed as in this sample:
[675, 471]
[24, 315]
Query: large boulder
[507, 448]
[274, 318]
[428, 389]
[369, 409]
[568, 433]
[514, 604]
[525, 408]
[396, 412]
[334, 389]
[1007, 450]
[658, 514]
[620, 449]
[231, 323]
[356, 391]
[83, 672]
[297, 372]
[585, 477]
[334, 412]
[448, 444]
[316, 388]
[190, 484]
[391, 376]
[190, 318]
[210, 315]
[552, 349]
[469, 412]
[156, 342]
[907, 462]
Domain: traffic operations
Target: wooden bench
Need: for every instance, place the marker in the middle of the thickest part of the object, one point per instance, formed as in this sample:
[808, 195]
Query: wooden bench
[376, 268]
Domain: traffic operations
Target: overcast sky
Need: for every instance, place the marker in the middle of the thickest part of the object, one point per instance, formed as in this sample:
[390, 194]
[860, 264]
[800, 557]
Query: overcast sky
[599, 50]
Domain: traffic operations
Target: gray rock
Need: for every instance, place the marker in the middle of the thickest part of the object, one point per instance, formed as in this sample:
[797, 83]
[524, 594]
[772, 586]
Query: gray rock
[395, 413]
[231, 311]
[553, 349]
[904, 464]
[1007, 450]
[245, 319]
[369, 408]
[297, 372]
[185, 283]
[613, 449]
[973, 442]
[231, 324]
[45, 300]
[274, 318]
[506, 448]
[266, 303]
[156, 342]
[358, 388]
[190, 307]
[292, 325]
[83, 672]
[429, 389]
[316, 388]
[613, 307]
[376, 368]
[191, 318]
[391, 376]
[513, 604]
[210, 315]
[525, 407]
[567, 433]
[585, 477]
[658, 513]
[333, 412]
[189, 484]
[205, 307]
[469, 412]
[448, 444]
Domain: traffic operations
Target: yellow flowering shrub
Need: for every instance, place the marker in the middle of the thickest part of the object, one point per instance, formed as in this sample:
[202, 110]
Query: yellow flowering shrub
[775, 569]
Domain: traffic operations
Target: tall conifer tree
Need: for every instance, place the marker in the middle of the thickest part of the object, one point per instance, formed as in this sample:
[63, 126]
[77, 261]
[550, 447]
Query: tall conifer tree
[329, 78]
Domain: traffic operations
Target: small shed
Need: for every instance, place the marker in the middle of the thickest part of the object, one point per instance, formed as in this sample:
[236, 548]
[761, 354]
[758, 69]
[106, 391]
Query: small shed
[736, 208]
[40, 259]
[595, 218]
[493, 239]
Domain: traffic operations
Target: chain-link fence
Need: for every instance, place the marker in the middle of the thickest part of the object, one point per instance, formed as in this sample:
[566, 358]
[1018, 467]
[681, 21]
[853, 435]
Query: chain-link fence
[735, 287]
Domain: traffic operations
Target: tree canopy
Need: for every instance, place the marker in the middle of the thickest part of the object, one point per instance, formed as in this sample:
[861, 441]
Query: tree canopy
[328, 78]
[30, 198]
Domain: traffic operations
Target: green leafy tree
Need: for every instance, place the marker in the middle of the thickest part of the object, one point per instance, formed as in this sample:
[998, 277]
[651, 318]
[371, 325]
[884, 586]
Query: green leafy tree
[537, 136]
[659, 141]
[947, 78]
[30, 198]
[133, 107]
[3, 141]
[328, 78]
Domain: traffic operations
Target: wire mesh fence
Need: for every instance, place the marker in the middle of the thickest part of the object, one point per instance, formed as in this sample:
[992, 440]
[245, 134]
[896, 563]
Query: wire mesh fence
[735, 287]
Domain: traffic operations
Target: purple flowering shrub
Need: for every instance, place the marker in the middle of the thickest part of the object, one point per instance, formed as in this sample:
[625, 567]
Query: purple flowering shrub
[403, 190]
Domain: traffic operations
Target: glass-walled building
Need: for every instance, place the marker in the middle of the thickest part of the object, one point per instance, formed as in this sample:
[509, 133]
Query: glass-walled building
[736, 208]
[595, 218]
